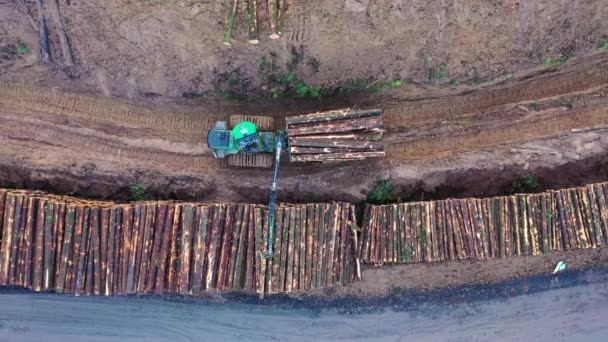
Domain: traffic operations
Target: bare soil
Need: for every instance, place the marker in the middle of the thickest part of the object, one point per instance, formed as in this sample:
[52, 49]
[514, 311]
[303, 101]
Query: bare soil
[491, 91]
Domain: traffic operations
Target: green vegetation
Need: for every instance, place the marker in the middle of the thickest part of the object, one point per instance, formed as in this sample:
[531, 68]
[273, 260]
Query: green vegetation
[10, 51]
[553, 62]
[454, 83]
[138, 192]
[287, 84]
[525, 184]
[422, 238]
[278, 82]
[436, 74]
[407, 255]
[604, 44]
[382, 193]
[534, 105]
[22, 49]
[232, 85]
[396, 83]
[568, 103]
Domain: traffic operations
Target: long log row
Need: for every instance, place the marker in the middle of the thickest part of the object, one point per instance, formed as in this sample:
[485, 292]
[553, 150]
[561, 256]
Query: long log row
[456, 229]
[52, 243]
[337, 135]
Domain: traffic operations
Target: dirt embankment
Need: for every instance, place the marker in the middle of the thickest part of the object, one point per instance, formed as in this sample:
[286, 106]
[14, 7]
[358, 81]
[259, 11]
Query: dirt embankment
[475, 143]
[151, 49]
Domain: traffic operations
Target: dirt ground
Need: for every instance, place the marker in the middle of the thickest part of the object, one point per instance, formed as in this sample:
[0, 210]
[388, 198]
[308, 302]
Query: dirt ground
[488, 91]
[473, 143]
[154, 49]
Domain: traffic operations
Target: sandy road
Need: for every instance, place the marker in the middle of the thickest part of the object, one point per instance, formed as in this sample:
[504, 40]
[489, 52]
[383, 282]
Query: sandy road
[573, 313]
[48, 134]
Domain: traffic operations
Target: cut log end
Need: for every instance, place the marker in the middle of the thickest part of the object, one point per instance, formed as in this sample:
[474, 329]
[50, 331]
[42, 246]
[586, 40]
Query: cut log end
[275, 36]
[254, 41]
[227, 43]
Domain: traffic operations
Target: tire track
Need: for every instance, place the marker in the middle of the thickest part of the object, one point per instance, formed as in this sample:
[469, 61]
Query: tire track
[106, 111]
[531, 129]
[90, 147]
[582, 76]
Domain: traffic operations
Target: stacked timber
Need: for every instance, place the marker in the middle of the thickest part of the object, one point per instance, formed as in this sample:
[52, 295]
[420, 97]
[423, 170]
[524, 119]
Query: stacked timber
[53, 243]
[338, 135]
[525, 224]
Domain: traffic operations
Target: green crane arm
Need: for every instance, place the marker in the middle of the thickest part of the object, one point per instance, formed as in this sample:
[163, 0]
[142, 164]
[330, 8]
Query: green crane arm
[280, 140]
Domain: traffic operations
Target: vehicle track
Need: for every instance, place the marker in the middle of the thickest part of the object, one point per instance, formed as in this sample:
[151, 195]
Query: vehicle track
[533, 128]
[108, 111]
[95, 148]
[35, 119]
[582, 74]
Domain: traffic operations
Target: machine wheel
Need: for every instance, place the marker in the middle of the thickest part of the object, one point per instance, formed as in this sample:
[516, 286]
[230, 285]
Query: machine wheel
[261, 160]
[263, 123]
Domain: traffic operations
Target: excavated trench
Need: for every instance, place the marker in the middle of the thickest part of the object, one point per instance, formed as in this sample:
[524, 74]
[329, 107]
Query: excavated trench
[474, 182]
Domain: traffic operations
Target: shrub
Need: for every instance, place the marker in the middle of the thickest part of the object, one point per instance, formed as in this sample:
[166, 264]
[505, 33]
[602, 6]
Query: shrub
[382, 193]
[525, 184]
[138, 192]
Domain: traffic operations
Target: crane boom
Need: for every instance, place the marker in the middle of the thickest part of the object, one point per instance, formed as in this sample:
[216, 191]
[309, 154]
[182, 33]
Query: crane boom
[280, 140]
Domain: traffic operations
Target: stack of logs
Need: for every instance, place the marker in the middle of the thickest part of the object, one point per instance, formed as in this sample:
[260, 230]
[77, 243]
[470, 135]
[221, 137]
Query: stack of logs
[276, 19]
[337, 135]
[52, 243]
[486, 228]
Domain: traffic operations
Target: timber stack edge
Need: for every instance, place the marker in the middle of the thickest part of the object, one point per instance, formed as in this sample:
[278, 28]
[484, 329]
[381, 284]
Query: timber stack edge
[67, 245]
[457, 229]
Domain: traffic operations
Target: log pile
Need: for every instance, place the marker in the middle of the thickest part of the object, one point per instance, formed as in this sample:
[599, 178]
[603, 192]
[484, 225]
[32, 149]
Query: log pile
[338, 135]
[52, 243]
[276, 19]
[485, 228]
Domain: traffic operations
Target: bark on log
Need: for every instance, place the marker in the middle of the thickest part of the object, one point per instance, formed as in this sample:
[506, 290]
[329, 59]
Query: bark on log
[159, 287]
[147, 244]
[185, 249]
[336, 156]
[48, 245]
[230, 23]
[42, 30]
[250, 266]
[372, 124]
[16, 235]
[252, 19]
[66, 51]
[84, 247]
[200, 248]
[30, 245]
[217, 223]
[155, 259]
[340, 114]
[75, 259]
[241, 258]
[236, 234]
[225, 247]
[7, 239]
[273, 17]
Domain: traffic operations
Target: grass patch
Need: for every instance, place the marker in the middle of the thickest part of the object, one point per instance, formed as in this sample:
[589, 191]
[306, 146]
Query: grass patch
[11, 51]
[525, 184]
[382, 193]
[534, 105]
[435, 74]
[604, 44]
[396, 83]
[549, 61]
[137, 192]
[568, 103]
[22, 49]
